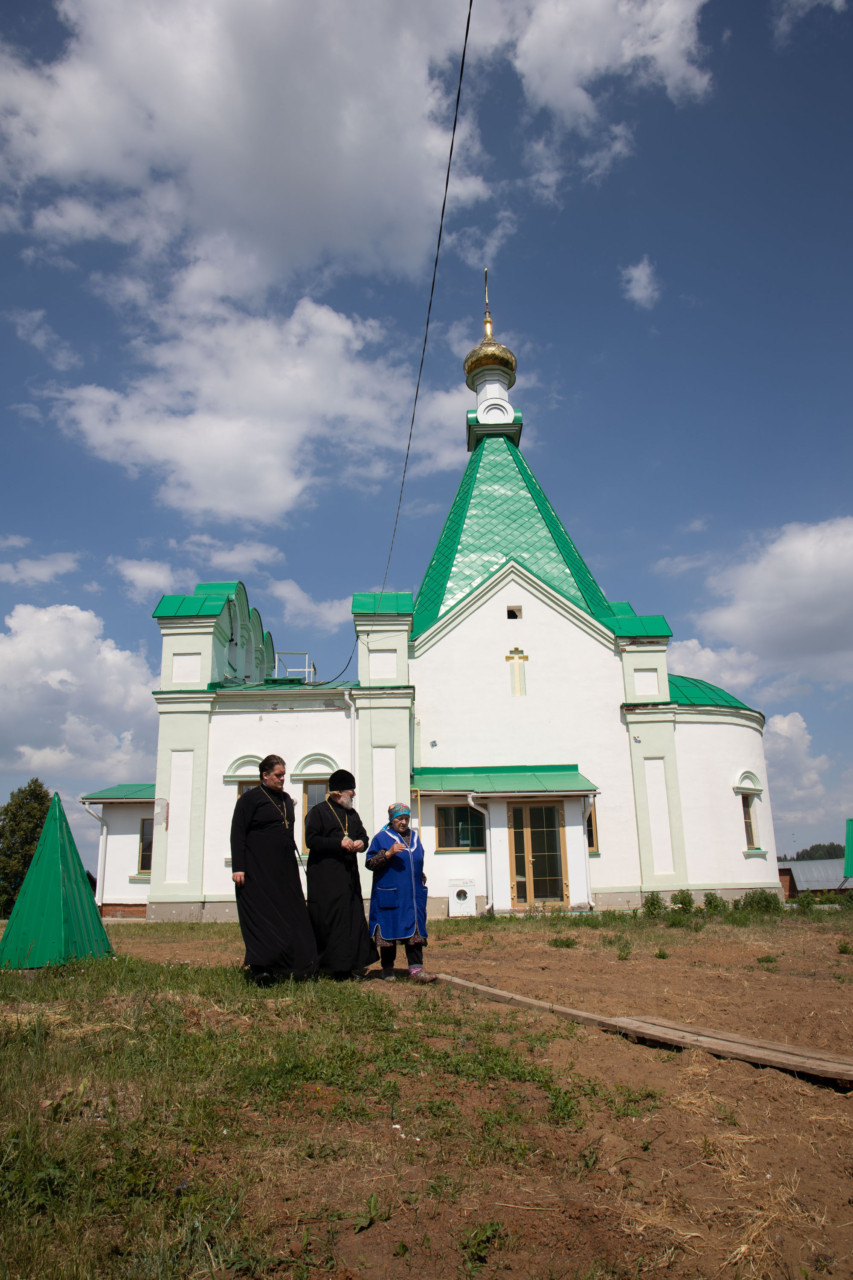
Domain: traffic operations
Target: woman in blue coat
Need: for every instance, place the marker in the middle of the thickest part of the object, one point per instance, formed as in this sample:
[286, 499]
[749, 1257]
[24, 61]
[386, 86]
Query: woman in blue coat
[398, 898]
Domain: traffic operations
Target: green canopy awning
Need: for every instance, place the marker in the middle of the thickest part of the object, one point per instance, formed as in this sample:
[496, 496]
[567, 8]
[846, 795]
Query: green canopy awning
[54, 918]
[505, 779]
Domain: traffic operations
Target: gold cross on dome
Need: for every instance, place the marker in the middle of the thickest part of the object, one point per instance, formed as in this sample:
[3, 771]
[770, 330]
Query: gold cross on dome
[518, 683]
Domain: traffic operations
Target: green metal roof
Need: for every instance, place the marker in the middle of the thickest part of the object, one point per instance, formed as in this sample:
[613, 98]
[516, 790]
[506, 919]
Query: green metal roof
[54, 916]
[272, 683]
[651, 625]
[124, 791]
[382, 602]
[503, 778]
[207, 601]
[500, 514]
[687, 691]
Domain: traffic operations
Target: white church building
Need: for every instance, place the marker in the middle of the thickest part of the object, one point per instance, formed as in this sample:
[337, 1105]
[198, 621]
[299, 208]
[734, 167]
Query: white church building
[552, 758]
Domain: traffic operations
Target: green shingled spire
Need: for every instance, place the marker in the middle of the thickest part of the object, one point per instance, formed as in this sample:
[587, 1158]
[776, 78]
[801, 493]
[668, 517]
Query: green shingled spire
[54, 918]
[500, 514]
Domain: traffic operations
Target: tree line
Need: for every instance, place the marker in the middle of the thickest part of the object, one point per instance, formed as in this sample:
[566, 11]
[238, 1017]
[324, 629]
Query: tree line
[815, 853]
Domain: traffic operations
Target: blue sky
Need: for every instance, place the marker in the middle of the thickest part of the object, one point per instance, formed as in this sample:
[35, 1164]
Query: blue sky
[216, 247]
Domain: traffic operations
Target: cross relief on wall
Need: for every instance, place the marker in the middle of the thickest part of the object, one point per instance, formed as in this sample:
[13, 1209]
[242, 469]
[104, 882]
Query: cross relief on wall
[518, 684]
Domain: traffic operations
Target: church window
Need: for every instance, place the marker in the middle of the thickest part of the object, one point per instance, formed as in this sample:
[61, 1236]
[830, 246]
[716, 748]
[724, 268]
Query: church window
[749, 822]
[517, 681]
[592, 831]
[513, 612]
[246, 786]
[146, 843]
[312, 793]
[459, 827]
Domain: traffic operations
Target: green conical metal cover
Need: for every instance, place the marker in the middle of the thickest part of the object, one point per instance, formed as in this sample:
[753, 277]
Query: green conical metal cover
[500, 513]
[54, 917]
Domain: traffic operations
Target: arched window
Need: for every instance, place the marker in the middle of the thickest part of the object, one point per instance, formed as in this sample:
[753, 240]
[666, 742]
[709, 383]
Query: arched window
[244, 772]
[313, 772]
[749, 789]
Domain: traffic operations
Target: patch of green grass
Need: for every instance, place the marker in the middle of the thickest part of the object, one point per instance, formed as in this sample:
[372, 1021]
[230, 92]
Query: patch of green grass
[564, 941]
[624, 952]
[136, 1100]
[768, 959]
[845, 949]
[660, 954]
[477, 1244]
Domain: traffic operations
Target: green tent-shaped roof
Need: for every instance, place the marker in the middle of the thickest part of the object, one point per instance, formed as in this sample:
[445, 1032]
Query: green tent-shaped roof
[500, 514]
[54, 917]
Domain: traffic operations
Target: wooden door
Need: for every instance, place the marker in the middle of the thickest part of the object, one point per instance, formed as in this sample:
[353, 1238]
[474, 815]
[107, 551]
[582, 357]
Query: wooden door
[537, 851]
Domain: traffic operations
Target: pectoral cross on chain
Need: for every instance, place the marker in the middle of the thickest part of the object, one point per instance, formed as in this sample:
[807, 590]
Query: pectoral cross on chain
[516, 672]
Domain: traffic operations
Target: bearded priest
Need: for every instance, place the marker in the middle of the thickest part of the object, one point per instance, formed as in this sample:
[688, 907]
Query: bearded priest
[335, 836]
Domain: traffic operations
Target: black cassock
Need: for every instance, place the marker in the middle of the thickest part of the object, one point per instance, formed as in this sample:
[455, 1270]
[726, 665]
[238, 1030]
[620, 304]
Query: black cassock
[270, 903]
[335, 902]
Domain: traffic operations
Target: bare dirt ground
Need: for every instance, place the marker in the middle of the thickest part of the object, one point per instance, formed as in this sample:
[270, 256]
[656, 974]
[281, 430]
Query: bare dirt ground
[666, 1163]
[785, 982]
[732, 1171]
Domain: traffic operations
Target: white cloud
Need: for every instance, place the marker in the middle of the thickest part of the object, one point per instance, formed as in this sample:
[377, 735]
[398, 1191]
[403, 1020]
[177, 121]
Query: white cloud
[787, 12]
[31, 573]
[790, 600]
[13, 540]
[147, 578]
[673, 566]
[297, 139]
[31, 327]
[797, 791]
[301, 610]
[145, 146]
[239, 411]
[696, 526]
[640, 284]
[728, 668]
[74, 703]
[562, 50]
[240, 559]
[291, 129]
[478, 247]
[617, 144]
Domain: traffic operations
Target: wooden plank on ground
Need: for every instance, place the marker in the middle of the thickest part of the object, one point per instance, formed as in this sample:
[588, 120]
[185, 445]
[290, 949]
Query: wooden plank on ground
[722, 1044]
[840, 1059]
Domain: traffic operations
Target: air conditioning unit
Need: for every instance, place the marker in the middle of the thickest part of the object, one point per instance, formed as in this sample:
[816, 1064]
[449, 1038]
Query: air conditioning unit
[463, 898]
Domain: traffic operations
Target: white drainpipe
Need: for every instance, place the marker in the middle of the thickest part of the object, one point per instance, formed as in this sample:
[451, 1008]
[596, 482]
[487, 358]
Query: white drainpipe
[102, 856]
[587, 805]
[351, 704]
[490, 904]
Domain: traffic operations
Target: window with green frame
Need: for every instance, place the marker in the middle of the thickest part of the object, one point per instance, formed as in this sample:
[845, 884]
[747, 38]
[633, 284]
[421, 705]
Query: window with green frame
[459, 827]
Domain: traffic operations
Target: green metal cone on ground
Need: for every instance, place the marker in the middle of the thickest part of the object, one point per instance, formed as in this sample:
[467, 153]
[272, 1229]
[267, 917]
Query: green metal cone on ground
[54, 918]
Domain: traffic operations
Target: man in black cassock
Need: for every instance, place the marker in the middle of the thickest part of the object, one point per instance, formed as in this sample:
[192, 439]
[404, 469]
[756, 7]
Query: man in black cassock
[270, 902]
[335, 836]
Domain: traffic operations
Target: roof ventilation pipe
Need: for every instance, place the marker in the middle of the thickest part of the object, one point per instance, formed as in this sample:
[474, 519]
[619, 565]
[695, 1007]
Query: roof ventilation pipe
[490, 903]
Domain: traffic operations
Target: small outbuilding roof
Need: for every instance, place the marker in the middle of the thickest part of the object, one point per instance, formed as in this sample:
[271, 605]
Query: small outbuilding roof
[822, 873]
[127, 791]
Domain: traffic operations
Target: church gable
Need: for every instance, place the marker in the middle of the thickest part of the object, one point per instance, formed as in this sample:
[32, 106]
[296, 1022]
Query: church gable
[500, 514]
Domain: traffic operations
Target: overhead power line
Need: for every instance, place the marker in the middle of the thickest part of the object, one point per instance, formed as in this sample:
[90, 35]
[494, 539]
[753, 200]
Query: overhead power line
[431, 293]
[426, 328]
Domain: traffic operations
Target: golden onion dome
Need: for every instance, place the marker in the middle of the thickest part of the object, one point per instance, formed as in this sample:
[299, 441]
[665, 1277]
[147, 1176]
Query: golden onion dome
[489, 354]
